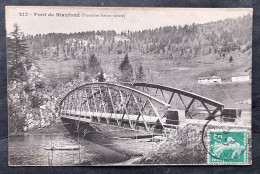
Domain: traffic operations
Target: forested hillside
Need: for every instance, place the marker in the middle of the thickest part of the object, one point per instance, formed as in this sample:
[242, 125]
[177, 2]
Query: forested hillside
[173, 42]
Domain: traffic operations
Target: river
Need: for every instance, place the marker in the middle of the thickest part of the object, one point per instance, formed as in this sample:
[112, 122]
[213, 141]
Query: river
[29, 149]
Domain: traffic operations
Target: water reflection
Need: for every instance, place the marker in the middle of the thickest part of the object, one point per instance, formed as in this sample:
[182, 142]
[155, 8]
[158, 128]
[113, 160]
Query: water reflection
[30, 150]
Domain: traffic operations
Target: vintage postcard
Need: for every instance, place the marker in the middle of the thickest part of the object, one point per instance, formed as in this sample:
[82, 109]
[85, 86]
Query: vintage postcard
[129, 86]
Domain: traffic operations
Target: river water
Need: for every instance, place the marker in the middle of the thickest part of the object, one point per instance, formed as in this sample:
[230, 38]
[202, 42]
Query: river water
[30, 149]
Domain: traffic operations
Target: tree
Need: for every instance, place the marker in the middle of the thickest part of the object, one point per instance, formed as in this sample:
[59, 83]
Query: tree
[216, 50]
[16, 50]
[140, 76]
[209, 50]
[94, 65]
[126, 70]
[17, 72]
[58, 49]
[73, 54]
[101, 77]
[230, 59]
[16, 46]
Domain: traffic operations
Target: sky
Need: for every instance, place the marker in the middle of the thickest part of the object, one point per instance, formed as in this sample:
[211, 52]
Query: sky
[37, 20]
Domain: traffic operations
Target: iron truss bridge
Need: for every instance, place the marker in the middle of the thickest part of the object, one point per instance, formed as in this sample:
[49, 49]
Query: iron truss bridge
[138, 106]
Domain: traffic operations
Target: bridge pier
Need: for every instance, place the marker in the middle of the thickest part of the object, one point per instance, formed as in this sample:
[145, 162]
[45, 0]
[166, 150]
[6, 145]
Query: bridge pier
[231, 114]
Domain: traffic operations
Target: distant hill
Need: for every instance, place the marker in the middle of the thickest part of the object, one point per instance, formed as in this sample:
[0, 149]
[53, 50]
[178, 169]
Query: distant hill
[174, 42]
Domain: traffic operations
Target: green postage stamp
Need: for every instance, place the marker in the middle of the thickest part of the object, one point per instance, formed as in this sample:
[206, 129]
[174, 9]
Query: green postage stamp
[228, 147]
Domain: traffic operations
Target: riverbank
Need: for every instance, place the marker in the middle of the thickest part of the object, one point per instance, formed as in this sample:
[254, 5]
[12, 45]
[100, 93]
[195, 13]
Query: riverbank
[54, 129]
[188, 147]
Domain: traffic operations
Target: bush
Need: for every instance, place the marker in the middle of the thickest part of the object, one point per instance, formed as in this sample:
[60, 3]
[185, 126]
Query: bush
[27, 88]
[17, 72]
[36, 101]
[16, 119]
[53, 83]
[39, 85]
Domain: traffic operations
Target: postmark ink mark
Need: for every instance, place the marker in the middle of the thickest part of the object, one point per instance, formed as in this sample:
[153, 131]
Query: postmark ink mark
[225, 146]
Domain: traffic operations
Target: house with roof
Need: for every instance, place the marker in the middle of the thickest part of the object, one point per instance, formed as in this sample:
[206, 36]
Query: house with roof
[242, 77]
[209, 80]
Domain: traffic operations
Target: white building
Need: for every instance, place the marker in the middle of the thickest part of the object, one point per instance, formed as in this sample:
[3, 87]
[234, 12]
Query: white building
[209, 80]
[242, 77]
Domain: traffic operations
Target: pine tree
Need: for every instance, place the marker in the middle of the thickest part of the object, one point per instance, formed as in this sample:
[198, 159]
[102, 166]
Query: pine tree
[140, 76]
[101, 77]
[126, 70]
[16, 46]
[216, 50]
[58, 49]
[94, 65]
[16, 50]
[73, 54]
[28, 100]
[230, 59]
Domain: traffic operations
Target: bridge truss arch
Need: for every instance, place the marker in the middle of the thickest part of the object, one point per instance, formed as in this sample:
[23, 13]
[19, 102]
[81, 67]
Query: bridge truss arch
[113, 104]
[192, 103]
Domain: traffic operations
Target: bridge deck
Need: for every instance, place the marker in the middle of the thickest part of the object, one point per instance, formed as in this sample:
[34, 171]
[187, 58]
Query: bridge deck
[87, 116]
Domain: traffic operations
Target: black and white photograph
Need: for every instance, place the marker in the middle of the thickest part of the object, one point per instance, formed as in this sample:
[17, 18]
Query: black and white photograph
[125, 86]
